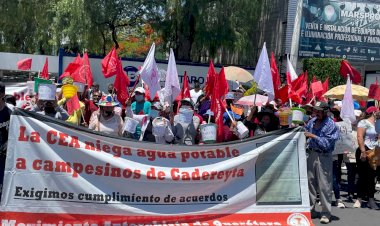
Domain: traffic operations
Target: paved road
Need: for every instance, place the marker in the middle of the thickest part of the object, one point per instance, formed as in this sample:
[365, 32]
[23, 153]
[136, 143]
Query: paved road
[351, 216]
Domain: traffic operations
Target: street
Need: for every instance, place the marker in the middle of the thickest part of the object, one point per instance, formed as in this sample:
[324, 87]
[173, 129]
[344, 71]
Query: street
[352, 216]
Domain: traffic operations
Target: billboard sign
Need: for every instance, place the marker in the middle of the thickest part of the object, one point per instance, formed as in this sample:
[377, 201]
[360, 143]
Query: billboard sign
[340, 29]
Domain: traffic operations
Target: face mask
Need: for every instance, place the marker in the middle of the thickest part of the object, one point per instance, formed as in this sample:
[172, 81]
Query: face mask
[154, 113]
[139, 98]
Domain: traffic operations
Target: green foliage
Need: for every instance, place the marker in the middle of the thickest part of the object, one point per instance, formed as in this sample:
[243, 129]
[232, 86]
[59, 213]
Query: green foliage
[221, 30]
[322, 68]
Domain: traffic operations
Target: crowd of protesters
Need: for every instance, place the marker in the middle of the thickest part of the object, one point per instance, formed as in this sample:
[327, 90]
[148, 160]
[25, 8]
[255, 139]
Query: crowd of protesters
[180, 122]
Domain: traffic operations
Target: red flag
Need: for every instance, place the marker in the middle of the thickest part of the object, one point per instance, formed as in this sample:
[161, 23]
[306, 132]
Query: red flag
[283, 94]
[374, 92]
[275, 76]
[70, 70]
[347, 69]
[185, 92]
[317, 88]
[24, 64]
[109, 64]
[86, 70]
[211, 74]
[121, 83]
[314, 79]
[300, 85]
[45, 72]
[218, 103]
[292, 92]
[72, 104]
[76, 75]
[222, 83]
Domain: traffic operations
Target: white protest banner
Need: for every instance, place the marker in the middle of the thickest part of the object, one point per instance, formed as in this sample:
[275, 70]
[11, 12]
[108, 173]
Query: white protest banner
[65, 175]
[21, 94]
[346, 142]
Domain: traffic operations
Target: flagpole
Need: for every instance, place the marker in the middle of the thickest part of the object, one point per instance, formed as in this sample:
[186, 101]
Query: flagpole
[134, 87]
[229, 115]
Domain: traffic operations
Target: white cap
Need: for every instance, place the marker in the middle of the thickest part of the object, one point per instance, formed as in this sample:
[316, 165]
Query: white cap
[140, 90]
[358, 113]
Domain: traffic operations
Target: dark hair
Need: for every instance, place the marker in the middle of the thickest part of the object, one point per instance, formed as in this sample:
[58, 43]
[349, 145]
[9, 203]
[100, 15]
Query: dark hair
[2, 87]
[10, 99]
[199, 98]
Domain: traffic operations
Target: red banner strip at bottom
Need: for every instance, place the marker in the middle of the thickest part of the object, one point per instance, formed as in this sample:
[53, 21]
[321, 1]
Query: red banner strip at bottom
[39, 219]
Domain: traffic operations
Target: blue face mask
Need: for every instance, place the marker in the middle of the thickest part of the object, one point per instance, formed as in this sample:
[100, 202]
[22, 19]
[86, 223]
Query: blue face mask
[154, 113]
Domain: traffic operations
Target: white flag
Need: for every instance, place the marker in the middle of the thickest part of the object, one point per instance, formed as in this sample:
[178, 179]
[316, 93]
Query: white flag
[172, 88]
[263, 74]
[290, 69]
[149, 73]
[347, 110]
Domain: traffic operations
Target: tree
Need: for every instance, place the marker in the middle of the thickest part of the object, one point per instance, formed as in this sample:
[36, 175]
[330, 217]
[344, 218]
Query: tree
[322, 68]
[121, 16]
[26, 28]
[200, 30]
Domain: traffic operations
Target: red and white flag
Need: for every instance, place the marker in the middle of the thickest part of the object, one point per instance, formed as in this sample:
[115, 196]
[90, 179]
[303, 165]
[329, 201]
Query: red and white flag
[290, 70]
[24, 64]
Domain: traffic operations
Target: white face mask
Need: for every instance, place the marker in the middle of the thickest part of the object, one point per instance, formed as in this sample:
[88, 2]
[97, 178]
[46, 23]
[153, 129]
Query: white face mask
[154, 113]
[139, 98]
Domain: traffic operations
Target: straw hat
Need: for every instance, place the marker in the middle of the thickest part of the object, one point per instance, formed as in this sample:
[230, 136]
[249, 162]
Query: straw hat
[107, 101]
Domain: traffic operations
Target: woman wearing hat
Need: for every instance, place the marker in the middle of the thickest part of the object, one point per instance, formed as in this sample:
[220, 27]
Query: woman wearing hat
[267, 122]
[367, 140]
[105, 120]
[185, 131]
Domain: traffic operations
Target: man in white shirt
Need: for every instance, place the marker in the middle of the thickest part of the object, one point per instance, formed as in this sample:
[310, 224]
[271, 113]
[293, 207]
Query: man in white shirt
[196, 92]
